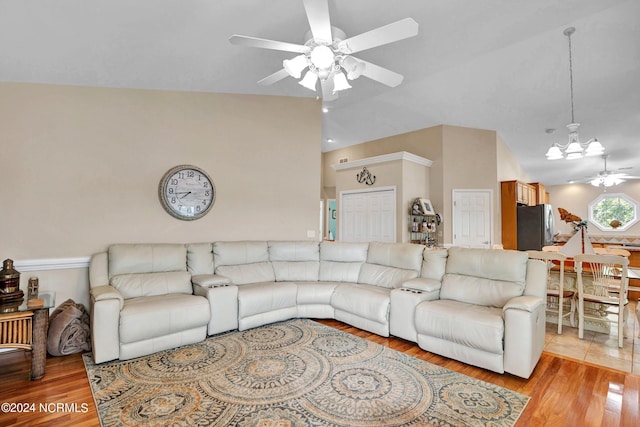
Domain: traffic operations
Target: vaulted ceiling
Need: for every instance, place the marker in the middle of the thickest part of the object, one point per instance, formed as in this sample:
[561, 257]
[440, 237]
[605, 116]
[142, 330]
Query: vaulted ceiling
[494, 64]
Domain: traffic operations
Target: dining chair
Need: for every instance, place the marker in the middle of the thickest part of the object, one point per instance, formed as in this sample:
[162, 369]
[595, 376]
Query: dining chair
[602, 281]
[557, 290]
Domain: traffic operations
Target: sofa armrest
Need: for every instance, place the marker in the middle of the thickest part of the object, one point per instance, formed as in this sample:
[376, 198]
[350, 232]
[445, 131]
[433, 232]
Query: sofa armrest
[107, 292]
[223, 305]
[525, 302]
[106, 303]
[423, 284]
[524, 330]
[210, 280]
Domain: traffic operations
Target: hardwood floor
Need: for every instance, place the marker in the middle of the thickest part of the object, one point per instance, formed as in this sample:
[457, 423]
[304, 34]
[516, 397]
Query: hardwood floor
[563, 392]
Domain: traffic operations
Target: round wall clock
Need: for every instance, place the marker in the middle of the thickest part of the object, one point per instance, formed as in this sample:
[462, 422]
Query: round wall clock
[186, 192]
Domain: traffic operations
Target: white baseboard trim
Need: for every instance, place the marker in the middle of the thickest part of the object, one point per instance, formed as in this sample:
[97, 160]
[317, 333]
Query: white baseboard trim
[51, 264]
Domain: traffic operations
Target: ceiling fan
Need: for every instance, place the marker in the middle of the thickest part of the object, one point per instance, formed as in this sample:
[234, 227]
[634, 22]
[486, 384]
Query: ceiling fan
[607, 179]
[327, 53]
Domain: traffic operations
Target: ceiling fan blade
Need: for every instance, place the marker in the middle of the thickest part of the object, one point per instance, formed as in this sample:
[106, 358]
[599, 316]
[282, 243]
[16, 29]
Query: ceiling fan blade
[319, 20]
[267, 44]
[390, 33]
[380, 74]
[273, 78]
[327, 90]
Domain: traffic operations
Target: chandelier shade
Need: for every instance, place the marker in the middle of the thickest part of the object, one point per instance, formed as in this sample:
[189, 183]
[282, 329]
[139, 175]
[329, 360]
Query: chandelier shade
[573, 149]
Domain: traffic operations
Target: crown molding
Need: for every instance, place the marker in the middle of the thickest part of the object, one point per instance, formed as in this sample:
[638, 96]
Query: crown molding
[401, 155]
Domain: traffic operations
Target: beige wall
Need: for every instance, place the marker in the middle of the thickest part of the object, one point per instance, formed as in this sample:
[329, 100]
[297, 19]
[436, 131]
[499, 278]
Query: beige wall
[508, 166]
[80, 167]
[576, 198]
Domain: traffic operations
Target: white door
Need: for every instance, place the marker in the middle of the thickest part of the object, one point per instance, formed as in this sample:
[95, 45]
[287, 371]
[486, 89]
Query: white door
[368, 216]
[472, 218]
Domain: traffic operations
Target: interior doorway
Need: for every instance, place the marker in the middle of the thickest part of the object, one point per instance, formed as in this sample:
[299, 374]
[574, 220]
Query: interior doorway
[472, 218]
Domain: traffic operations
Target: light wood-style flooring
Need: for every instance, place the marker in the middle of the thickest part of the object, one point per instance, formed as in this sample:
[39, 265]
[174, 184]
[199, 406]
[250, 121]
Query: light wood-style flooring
[564, 392]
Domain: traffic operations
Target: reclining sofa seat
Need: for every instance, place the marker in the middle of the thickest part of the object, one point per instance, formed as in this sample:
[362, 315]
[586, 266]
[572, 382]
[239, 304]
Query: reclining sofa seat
[366, 304]
[142, 301]
[490, 313]
[261, 300]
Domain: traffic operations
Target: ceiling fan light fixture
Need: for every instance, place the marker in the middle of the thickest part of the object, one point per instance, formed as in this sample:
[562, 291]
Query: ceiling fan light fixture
[322, 57]
[353, 67]
[340, 82]
[606, 181]
[310, 80]
[295, 66]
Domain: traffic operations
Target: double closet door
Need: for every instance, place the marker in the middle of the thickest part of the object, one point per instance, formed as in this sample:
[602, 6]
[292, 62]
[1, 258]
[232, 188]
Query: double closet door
[368, 216]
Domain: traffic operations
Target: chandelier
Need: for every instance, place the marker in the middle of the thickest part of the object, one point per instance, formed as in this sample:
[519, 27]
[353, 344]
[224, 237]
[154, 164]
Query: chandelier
[574, 149]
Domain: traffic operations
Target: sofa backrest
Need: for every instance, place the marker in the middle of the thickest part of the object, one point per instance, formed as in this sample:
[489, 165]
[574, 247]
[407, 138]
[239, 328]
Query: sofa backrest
[243, 262]
[200, 258]
[295, 261]
[341, 261]
[434, 263]
[486, 277]
[390, 264]
[149, 269]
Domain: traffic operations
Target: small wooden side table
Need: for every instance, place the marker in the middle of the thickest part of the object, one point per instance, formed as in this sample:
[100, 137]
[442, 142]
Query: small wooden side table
[25, 327]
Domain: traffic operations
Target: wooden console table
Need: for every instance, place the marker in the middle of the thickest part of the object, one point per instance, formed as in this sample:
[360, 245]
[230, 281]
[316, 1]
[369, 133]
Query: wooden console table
[24, 327]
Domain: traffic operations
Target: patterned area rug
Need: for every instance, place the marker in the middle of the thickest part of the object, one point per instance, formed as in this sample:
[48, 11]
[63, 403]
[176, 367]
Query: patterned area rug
[294, 373]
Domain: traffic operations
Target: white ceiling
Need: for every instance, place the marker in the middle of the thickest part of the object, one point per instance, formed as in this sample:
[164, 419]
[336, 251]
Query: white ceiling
[492, 64]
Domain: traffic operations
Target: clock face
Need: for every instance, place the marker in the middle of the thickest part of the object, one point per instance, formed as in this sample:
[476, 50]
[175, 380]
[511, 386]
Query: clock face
[186, 192]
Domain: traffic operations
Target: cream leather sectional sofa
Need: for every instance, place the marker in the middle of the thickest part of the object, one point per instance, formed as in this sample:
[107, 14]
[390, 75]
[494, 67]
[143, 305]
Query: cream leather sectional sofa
[482, 307]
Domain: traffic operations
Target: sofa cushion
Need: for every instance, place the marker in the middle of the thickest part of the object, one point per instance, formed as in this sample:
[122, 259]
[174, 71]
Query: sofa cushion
[148, 284]
[484, 277]
[368, 302]
[295, 261]
[469, 325]
[315, 292]
[160, 315]
[243, 252]
[265, 297]
[248, 273]
[387, 277]
[341, 262]
[390, 264]
[294, 251]
[407, 256]
[297, 271]
[200, 258]
[146, 258]
[434, 263]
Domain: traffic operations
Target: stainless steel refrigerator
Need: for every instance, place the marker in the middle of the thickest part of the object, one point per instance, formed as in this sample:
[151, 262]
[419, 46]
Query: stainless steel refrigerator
[535, 227]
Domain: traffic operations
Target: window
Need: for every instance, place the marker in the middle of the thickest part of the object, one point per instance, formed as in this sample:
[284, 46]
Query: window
[613, 212]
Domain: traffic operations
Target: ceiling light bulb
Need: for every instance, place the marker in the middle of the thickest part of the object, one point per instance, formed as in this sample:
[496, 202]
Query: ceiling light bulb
[309, 81]
[295, 66]
[322, 57]
[340, 82]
